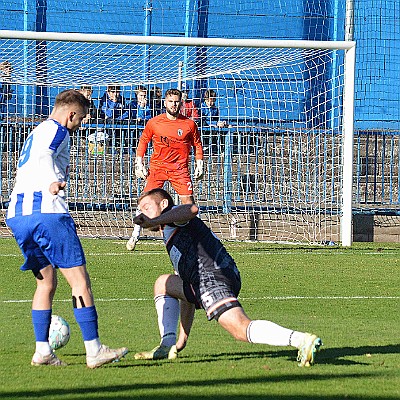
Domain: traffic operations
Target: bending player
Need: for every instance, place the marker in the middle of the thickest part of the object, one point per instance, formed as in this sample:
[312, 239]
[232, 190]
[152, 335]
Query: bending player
[205, 277]
[46, 234]
[173, 136]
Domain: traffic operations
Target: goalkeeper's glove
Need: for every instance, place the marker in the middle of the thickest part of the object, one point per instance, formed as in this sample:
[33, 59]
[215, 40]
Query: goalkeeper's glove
[199, 170]
[140, 169]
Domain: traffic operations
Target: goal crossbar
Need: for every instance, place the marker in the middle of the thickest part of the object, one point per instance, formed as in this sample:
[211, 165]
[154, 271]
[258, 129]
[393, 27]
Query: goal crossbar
[176, 41]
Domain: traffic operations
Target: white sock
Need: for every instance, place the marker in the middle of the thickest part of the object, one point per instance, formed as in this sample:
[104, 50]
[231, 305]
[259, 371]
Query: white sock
[92, 347]
[43, 348]
[266, 332]
[168, 315]
[136, 228]
[136, 231]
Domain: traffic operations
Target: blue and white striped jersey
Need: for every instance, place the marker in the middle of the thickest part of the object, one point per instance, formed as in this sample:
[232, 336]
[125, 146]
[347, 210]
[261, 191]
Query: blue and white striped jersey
[44, 159]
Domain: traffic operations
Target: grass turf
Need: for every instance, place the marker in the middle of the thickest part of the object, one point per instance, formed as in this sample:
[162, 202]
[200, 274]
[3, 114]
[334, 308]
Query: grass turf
[350, 297]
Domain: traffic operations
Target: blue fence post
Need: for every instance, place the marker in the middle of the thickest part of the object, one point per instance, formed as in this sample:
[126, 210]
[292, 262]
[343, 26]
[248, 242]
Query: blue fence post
[41, 101]
[227, 196]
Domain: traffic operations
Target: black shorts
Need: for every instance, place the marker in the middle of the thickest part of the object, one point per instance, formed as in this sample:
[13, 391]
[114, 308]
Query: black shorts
[216, 291]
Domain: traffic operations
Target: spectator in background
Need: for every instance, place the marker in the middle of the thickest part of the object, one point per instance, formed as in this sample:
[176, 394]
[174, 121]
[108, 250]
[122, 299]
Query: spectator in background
[188, 107]
[112, 103]
[209, 111]
[156, 101]
[139, 109]
[87, 91]
[5, 88]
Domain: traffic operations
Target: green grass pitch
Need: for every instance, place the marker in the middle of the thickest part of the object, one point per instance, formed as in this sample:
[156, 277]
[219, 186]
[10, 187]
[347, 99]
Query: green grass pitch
[350, 297]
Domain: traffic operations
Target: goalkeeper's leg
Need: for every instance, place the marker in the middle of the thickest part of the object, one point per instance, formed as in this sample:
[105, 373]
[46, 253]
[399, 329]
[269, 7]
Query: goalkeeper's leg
[131, 243]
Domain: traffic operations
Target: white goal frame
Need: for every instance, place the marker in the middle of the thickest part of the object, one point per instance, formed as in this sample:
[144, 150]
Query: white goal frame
[348, 93]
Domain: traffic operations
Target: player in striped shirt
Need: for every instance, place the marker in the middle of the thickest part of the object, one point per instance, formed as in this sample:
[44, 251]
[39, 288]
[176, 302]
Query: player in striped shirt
[46, 233]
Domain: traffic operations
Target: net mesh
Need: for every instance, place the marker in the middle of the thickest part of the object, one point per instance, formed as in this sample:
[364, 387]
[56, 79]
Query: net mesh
[273, 168]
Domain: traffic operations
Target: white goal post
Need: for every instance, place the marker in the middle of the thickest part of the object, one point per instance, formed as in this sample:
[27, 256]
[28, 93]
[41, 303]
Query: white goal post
[279, 169]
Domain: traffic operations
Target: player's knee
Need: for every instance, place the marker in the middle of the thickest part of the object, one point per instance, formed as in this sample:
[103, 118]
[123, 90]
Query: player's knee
[236, 323]
[160, 285]
[81, 291]
[48, 286]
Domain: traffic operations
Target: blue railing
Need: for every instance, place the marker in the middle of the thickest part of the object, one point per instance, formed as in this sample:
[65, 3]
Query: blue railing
[247, 166]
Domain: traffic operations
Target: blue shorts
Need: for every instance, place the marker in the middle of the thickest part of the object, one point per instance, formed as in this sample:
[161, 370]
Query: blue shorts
[46, 239]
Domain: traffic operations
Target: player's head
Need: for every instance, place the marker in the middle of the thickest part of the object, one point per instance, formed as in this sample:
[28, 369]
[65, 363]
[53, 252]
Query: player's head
[172, 102]
[154, 202]
[70, 108]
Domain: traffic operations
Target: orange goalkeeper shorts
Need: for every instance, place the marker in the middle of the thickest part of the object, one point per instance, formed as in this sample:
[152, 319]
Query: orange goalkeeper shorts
[179, 179]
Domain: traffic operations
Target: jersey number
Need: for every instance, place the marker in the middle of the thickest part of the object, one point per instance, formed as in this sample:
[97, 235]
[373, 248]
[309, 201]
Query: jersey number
[207, 299]
[26, 151]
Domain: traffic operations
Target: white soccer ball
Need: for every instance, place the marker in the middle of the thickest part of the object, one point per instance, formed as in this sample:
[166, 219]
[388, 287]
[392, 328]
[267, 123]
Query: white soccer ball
[59, 332]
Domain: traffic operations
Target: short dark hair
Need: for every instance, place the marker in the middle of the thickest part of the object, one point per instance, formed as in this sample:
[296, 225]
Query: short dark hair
[173, 92]
[71, 96]
[114, 87]
[141, 88]
[86, 87]
[159, 194]
[154, 90]
[210, 93]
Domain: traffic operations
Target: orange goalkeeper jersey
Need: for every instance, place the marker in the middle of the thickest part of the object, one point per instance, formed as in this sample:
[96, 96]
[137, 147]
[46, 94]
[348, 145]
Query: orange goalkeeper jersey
[172, 141]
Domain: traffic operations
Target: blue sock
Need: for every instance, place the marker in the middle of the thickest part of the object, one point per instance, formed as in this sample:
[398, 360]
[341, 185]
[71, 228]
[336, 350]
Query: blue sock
[41, 320]
[86, 318]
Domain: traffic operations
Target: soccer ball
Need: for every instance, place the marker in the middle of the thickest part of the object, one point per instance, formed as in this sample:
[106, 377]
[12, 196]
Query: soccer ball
[58, 332]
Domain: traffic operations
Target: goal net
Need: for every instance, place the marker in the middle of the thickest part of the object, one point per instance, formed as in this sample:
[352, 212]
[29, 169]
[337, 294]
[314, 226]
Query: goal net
[278, 157]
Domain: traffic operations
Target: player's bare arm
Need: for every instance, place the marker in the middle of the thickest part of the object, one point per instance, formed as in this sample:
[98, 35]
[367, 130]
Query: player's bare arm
[186, 320]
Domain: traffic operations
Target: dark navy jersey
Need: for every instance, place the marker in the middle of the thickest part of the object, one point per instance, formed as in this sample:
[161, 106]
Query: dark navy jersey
[193, 248]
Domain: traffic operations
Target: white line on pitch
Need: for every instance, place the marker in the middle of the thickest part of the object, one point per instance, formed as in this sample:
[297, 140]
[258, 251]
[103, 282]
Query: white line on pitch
[243, 298]
[246, 253]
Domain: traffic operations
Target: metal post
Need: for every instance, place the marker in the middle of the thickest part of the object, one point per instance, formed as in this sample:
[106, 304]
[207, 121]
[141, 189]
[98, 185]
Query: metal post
[148, 8]
[25, 87]
[42, 101]
[180, 65]
[349, 28]
[348, 127]
[227, 196]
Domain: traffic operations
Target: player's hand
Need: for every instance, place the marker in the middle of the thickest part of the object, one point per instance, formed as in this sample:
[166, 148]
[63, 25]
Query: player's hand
[140, 170]
[146, 222]
[199, 170]
[55, 187]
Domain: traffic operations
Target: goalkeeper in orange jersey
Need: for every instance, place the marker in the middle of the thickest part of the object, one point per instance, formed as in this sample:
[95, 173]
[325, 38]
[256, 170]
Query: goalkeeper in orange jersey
[173, 136]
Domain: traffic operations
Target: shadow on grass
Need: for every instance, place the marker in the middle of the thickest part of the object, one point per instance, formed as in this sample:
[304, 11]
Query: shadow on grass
[173, 389]
[333, 356]
[127, 391]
